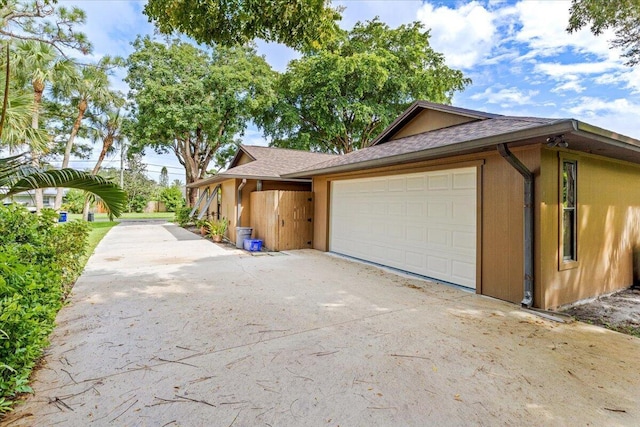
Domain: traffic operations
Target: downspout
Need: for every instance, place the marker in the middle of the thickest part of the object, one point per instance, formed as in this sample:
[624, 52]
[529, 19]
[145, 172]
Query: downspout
[239, 199]
[527, 301]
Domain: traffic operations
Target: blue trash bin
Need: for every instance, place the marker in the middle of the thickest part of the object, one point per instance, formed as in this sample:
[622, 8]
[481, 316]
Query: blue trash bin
[63, 217]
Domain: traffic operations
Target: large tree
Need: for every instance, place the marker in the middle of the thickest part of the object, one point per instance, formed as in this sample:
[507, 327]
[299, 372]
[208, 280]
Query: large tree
[42, 28]
[622, 16]
[90, 87]
[26, 23]
[193, 102]
[298, 24]
[37, 65]
[338, 99]
[106, 127]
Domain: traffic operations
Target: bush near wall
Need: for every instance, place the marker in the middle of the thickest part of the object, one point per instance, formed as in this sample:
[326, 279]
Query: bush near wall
[182, 217]
[39, 261]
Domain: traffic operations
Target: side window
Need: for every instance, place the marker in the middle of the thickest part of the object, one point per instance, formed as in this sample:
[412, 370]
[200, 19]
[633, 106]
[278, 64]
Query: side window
[568, 206]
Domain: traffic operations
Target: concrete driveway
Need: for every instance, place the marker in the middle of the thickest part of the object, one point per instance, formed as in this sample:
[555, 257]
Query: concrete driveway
[167, 329]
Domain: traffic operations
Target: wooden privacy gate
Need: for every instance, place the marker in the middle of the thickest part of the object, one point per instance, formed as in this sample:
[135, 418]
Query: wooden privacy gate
[283, 220]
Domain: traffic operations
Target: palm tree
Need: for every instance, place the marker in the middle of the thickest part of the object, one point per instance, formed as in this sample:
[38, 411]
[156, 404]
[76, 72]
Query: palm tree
[91, 88]
[106, 128]
[17, 173]
[38, 64]
[18, 108]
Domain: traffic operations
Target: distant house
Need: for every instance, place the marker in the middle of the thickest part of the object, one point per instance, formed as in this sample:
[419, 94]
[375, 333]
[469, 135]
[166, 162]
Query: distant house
[28, 198]
[442, 194]
[233, 194]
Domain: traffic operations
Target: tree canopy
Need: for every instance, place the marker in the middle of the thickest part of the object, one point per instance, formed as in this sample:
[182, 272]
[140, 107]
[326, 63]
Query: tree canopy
[37, 34]
[338, 99]
[192, 102]
[42, 21]
[622, 16]
[295, 23]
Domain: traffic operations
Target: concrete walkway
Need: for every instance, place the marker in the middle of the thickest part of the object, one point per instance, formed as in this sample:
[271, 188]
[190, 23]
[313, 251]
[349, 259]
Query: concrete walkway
[167, 329]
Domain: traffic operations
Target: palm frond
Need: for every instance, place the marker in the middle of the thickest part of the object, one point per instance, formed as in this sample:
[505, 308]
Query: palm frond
[17, 176]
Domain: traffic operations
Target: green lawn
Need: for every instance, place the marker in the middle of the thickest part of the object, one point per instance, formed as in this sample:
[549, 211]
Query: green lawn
[98, 231]
[101, 217]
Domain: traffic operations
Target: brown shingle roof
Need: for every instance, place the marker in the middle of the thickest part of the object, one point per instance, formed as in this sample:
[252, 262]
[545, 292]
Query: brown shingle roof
[424, 142]
[268, 163]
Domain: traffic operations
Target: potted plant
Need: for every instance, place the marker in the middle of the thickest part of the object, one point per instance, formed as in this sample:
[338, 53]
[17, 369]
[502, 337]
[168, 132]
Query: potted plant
[202, 224]
[217, 228]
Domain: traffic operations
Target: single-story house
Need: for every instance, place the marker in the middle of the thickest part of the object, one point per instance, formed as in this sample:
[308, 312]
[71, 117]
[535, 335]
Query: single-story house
[283, 203]
[541, 211]
[28, 198]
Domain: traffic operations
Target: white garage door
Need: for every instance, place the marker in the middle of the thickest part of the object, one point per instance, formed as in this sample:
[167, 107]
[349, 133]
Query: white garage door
[424, 223]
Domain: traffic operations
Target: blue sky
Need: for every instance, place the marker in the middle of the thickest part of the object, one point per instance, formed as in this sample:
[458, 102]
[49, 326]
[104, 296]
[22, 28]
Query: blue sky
[518, 54]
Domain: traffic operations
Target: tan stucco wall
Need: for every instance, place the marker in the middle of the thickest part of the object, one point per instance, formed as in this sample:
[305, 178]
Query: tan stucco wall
[500, 215]
[608, 228]
[430, 120]
[229, 206]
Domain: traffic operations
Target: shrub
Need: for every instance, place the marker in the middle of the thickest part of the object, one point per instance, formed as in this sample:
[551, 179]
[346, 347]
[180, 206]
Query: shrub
[172, 198]
[138, 203]
[74, 201]
[38, 264]
[182, 216]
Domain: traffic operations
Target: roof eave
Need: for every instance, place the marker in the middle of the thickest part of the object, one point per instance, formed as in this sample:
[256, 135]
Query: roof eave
[220, 178]
[606, 136]
[241, 149]
[560, 126]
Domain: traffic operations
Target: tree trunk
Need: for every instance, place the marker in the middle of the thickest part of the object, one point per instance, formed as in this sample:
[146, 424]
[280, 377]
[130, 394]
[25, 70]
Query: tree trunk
[82, 107]
[106, 144]
[38, 89]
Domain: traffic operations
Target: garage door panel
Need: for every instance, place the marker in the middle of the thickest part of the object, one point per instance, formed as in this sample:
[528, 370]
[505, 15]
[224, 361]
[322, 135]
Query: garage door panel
[438, 182]
[439, 237]
[416, 260]
[437, 266]
[415, 184]
[423, 223]
[464, 181]
[397, 185]
[464, 240]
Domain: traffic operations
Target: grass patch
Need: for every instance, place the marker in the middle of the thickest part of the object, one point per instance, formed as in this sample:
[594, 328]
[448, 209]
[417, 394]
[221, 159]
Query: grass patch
[625, 329]
[98, 231]
[103, 217]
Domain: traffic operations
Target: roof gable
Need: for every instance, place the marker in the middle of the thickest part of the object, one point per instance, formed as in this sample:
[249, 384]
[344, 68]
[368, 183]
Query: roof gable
[424, 116]
[267, 163]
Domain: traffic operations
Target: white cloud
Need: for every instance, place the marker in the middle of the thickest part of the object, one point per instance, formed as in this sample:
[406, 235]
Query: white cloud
[466, 35]
[559, 71]
[505, 97]
[631, 77]
[572, 85]
[593, 107]
[619, 115]
[543, 29]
